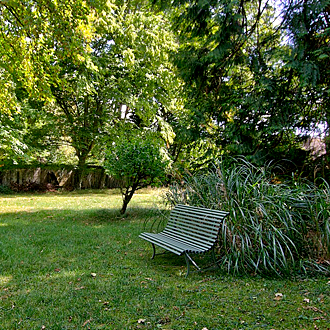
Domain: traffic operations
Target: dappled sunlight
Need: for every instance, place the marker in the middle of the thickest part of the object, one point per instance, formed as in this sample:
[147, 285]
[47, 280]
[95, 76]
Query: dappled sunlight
[4, 280]
[67, 275]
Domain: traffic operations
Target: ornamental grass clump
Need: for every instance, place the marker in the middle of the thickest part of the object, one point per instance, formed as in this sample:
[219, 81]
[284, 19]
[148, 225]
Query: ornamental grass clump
[274, 227]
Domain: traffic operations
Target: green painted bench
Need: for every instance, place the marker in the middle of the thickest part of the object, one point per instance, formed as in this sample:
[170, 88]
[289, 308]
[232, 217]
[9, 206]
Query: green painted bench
[189, 230]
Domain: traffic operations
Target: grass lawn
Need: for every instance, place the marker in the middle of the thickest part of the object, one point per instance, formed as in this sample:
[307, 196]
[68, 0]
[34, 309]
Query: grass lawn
[69, 261]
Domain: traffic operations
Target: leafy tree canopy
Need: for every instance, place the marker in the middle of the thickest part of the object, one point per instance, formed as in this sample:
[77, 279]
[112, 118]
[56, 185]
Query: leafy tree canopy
[106, 58]
[253, 80]
[36, 34]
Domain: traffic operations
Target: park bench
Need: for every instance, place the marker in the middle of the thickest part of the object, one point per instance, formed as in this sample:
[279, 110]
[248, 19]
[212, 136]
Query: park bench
[189, 230]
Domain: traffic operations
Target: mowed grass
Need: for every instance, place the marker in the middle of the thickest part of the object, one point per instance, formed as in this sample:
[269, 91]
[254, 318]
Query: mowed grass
[70, 261]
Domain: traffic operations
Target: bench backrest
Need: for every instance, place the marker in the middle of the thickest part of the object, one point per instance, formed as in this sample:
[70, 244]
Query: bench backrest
[195, 225]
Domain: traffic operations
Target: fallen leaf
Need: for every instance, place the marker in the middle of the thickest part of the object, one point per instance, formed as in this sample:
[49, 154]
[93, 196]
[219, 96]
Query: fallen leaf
[93, 274]
[141, 321]
[314, 309]
[80, 288]
[306, 300]
[86, 322]
[278, 296]
[57, 270]
[164, 320]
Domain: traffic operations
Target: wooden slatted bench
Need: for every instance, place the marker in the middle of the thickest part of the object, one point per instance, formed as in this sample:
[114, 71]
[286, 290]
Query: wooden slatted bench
[189, 230]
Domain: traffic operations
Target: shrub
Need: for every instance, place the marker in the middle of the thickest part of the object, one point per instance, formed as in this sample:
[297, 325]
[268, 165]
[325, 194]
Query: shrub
[28, 186]
[5, 190]
[274, 226]
[136, 163]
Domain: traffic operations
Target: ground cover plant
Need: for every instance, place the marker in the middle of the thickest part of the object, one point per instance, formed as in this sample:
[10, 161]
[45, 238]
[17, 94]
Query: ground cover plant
[276, 225]
[71, 261]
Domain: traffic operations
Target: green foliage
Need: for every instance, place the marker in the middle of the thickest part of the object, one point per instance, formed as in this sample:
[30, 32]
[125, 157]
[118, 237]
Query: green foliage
[69, 69]
[196, 156]
[274, 227]
[136, 162]
[227, 54]
[30, 135]
[12, 146]
[5, 190]
[307, 24]
[83, 62]
[128, 67]
[252, 80]
[35, 36]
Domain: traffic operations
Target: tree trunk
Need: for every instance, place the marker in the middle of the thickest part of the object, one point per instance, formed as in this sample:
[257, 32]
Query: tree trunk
[127, 196]
[124, 207]
[79, 173]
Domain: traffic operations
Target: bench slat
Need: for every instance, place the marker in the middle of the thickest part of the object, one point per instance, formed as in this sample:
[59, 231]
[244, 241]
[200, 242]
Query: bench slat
[185, 223]
[177, 247]
[185, 238]
[189, 236]
[155, 240]
[204, 230]
[200, 210]
[194, 231]
[203, 219]
[182, 245]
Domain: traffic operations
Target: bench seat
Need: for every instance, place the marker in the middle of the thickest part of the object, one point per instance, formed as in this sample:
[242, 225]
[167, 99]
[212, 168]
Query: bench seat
[190, 229]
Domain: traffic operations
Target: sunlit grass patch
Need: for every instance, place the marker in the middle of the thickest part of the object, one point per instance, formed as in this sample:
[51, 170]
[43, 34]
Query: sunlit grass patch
[5, 279]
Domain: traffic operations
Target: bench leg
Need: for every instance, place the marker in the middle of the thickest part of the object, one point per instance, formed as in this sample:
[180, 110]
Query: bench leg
[188, 264]
[154, 251]
[188, 258]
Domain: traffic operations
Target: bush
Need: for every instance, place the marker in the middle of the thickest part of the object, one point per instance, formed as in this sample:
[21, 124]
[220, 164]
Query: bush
[136, 163]
[28, 186]
[274, 226]
[5, 190]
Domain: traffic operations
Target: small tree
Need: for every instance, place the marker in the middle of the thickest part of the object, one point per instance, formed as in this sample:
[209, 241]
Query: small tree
[136, 163]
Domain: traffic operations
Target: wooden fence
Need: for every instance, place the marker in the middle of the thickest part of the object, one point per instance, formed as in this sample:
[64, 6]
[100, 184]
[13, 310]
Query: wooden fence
[94, 177]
